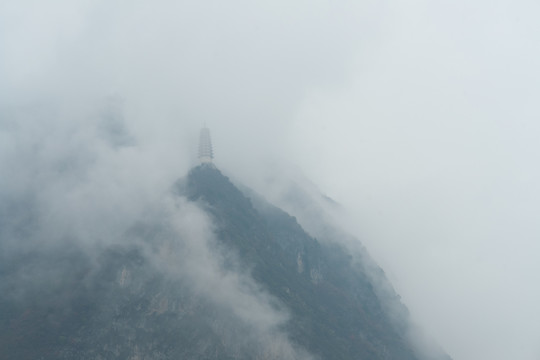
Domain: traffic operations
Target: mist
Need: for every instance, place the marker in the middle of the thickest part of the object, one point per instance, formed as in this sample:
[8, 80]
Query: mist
[254, 318]
[80, 193]
[418, 118]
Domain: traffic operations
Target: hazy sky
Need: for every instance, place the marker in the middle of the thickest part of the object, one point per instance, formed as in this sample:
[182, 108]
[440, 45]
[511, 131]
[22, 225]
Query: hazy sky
[421, 117]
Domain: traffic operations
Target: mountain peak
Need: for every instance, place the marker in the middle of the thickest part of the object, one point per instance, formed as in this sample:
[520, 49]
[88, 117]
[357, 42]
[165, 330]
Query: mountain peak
[335, 308]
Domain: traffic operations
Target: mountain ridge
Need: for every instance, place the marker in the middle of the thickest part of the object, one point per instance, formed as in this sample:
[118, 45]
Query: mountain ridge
[305, 253]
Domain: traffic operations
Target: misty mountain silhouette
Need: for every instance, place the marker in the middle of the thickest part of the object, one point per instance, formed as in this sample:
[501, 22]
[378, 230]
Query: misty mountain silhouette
[118, 303]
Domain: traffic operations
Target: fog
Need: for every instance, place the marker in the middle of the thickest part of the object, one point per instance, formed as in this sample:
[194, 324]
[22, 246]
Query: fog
[253, 318]
[419, 118]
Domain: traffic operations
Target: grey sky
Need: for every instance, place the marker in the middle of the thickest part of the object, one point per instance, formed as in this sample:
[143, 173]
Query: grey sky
[421, 117]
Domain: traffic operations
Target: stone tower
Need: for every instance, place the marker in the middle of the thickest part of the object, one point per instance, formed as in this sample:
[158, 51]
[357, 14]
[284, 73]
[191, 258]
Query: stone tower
[206, 153]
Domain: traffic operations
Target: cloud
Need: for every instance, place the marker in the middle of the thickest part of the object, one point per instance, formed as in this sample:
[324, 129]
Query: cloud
[418, 117]
[254, 318]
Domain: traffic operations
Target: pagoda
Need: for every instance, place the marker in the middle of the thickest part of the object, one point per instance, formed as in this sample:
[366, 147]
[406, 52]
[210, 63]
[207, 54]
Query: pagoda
[206, 153]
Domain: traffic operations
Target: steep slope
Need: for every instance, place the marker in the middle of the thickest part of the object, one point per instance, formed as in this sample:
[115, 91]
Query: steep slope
[320, 216]
[336, 313]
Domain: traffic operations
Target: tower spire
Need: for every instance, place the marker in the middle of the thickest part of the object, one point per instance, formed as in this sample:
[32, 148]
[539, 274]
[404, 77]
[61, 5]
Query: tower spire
[206, 153]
